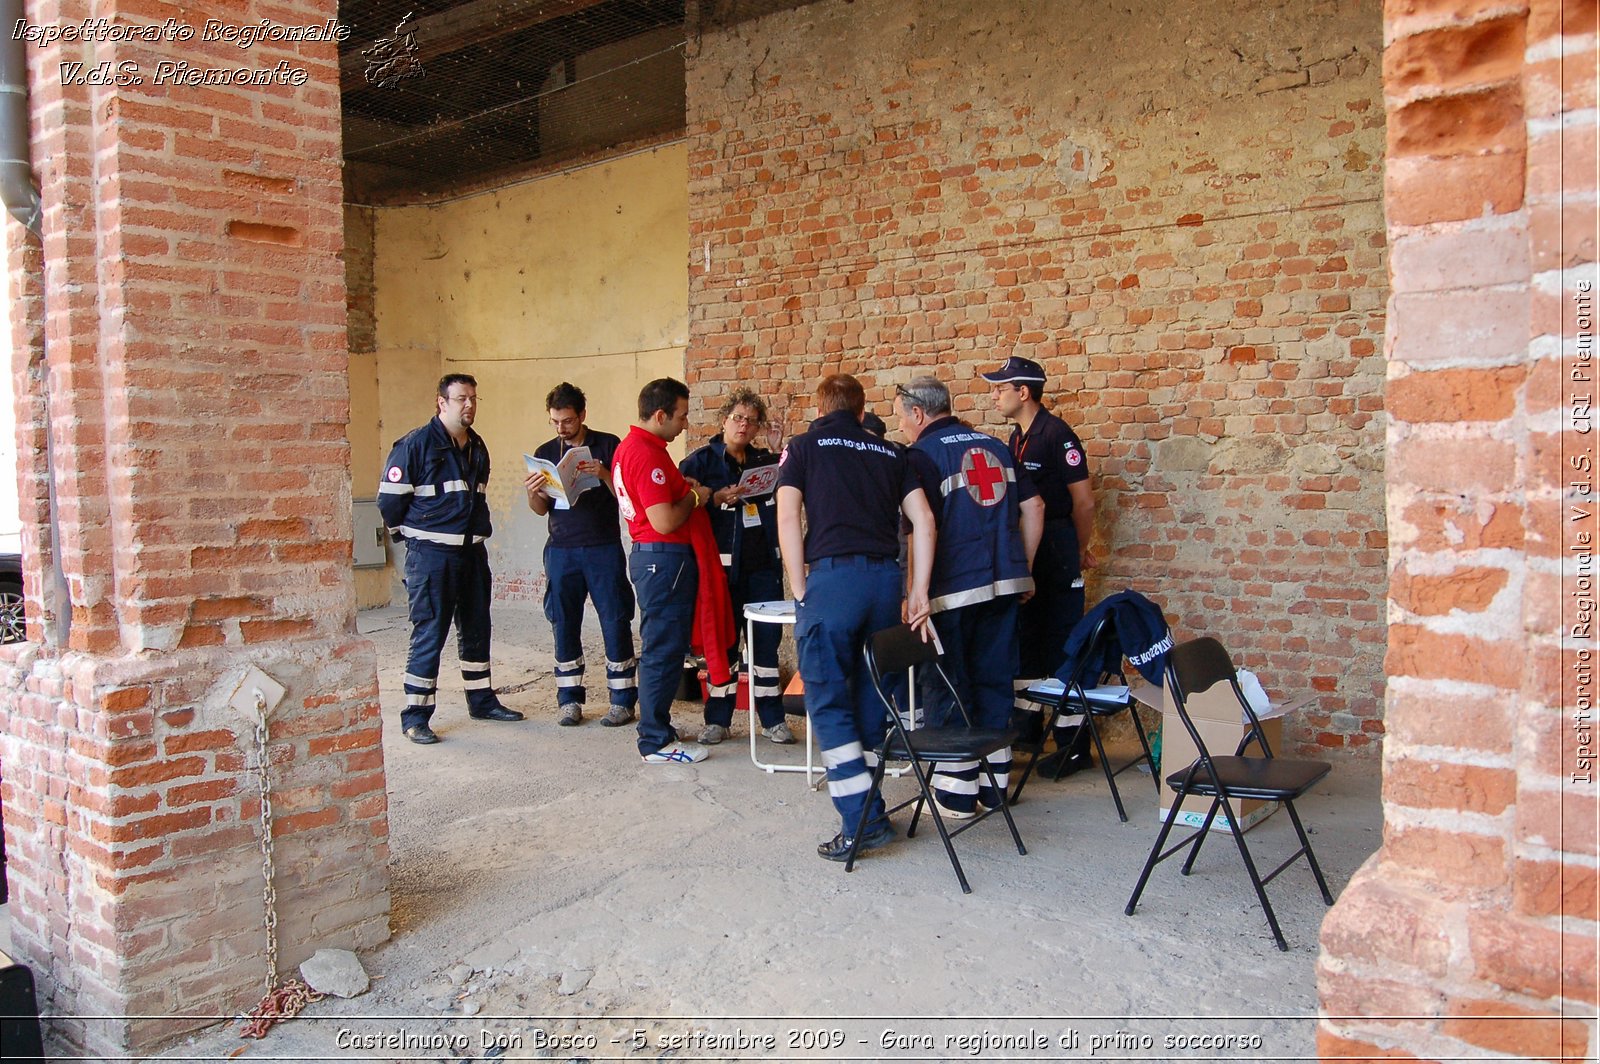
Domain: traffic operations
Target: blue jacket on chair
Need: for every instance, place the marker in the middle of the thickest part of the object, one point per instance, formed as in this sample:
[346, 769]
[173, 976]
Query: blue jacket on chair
[1140, 634]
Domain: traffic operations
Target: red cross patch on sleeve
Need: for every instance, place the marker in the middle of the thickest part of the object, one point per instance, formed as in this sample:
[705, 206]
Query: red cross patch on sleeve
[1074, 458]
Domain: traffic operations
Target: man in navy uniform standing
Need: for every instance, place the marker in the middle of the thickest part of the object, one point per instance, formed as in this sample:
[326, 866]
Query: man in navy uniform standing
[989, 521]
[433, 496]
[747, 539]
[845, 575]
[1047, 449]
[583, 558]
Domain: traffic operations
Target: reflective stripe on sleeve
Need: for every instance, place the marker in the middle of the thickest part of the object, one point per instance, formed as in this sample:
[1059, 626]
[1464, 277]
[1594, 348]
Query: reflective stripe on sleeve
[449, 539]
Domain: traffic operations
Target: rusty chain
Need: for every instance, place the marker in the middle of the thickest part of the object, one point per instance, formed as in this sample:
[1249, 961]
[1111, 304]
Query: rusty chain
[281, 1003]
[286, 1000]
[269, 895]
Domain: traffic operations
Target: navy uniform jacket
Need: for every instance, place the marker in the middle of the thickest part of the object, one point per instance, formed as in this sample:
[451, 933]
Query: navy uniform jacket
[852, 483]
[1141, 636]
[434, 492]
[976, 494]
[1053, 456]
[712, 466]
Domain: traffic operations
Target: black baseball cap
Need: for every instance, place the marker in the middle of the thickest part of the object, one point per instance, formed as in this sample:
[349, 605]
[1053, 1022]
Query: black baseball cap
[1016, 369]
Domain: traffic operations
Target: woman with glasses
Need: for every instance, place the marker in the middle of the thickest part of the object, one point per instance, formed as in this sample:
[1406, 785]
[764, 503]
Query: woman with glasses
[747, 538]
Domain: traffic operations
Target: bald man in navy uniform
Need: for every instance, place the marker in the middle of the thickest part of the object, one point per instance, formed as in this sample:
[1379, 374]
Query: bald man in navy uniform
[989, 520]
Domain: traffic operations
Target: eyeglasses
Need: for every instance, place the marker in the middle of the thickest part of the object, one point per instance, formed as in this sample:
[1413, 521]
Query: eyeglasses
[461, 400]
[743, 419]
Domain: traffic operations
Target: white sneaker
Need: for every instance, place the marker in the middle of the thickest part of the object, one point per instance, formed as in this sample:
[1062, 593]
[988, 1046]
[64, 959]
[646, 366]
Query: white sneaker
[712, 734]
[677, 754]
[955, 814]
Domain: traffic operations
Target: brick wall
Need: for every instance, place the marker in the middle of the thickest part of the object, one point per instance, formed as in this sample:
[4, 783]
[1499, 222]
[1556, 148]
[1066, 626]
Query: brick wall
[192, 304]
[1175, 208]
[1477, 918]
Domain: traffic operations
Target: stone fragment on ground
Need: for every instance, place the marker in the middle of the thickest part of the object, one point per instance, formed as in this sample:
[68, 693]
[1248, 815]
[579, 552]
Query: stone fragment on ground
[335, 971]
[573, 980]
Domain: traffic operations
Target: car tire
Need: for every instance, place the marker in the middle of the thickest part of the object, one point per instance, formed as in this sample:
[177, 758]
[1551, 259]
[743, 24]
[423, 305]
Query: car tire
[13, 626]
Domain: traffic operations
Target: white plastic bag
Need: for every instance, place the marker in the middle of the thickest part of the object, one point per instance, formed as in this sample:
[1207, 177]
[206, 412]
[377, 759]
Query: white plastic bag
[1254, 693]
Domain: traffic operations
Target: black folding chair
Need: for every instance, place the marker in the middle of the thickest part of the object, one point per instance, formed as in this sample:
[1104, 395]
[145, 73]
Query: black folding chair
[1194, 667]
[1074, 699]
[890, 653]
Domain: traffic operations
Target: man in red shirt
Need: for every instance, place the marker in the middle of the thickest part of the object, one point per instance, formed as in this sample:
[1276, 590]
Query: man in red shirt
[656, 500]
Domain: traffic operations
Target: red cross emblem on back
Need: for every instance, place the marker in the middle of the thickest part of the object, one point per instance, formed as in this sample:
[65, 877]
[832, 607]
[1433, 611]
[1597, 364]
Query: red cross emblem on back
[986, 478]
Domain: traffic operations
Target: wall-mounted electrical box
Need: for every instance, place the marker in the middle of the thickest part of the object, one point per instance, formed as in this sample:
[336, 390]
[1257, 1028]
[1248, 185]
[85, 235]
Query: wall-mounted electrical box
[368, 536]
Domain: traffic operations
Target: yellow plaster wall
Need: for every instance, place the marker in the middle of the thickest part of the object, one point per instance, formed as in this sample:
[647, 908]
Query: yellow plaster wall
[366, 456]
[578, 276]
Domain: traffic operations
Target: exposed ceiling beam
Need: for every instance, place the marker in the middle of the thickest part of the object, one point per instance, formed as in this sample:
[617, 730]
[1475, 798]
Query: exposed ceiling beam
[465, 24]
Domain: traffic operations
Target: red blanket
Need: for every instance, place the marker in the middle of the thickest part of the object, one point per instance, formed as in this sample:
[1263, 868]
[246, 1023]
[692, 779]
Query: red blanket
[714, 630]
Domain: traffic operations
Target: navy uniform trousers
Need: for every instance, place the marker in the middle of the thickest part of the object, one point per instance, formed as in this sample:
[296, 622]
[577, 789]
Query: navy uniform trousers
[758, 585]
[980, 657]
[1046, 621]
[666, 580]
[847, 599]
[599, 573]
[445, 584]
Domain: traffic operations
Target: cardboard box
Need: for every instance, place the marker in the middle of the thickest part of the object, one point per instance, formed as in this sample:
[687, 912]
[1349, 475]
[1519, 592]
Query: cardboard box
[1221, 738]
[1221, 723]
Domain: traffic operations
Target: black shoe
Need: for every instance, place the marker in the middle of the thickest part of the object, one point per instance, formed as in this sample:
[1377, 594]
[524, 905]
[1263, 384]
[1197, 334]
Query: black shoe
[1030, 728]
[838, 847]
[421, 734]
[498, 713]
[1063, 763]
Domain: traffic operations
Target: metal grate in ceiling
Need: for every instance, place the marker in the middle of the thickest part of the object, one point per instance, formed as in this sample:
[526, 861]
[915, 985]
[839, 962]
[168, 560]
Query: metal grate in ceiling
[441, 96]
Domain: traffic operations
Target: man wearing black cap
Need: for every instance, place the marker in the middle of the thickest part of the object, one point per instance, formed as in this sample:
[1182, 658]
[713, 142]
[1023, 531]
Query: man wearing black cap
[1051, 453]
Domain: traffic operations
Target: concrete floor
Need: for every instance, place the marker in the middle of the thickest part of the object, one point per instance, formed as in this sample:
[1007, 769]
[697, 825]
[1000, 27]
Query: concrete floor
[555, 898]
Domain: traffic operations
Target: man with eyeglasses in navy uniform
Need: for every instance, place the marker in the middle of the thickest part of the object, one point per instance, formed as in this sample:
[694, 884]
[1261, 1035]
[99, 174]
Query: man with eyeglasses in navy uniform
[989, 520]
[844, 571]
[583, 559]
[434, 497]
[1047, 449]
[747, 539]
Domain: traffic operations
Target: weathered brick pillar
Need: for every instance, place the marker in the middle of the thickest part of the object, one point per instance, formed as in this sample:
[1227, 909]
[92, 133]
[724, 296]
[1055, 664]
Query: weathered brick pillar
[1476, 919]
[193, 349]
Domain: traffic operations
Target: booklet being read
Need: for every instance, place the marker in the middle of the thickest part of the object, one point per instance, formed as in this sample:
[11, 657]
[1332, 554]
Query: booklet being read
[563, 482]
[758, 481]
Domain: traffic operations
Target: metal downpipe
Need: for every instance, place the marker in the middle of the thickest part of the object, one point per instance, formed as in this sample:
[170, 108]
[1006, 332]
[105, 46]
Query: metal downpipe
[20, 194]
[18, 190]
